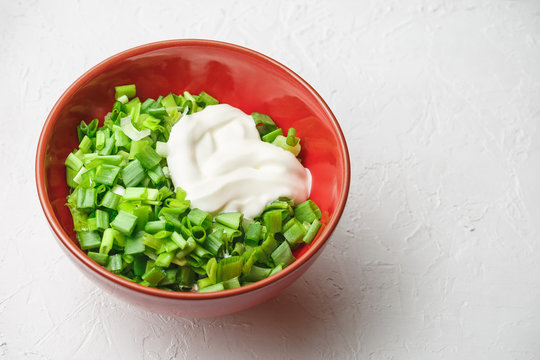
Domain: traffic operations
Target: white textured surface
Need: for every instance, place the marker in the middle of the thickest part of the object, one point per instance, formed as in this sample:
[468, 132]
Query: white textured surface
[438, 253]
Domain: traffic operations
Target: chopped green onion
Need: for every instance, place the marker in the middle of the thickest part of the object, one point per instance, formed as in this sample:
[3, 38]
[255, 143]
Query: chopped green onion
[101, 259]
[106, 174]
[85, 144]
[154, 275]
[148, 157]
[111, 200]
[133, 173]
[86, 198]
[295, 232]
[229, 268]
[283, 254]
[212, 288]
[89, 239]
[272, 220]
[312, 231]
[231, 219]
[257, 273]
[164, 259]
[307, 211]
[253, 234]
[231, 283]
[200, 218]
[271, 136]
[135, 244]
[115, 263]
[73, 162]
[102, 219]
[264, 123]
[124, 90]
[124, 222]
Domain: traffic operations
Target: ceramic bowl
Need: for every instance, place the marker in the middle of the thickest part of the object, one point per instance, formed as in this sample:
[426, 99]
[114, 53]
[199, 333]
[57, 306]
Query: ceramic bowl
[234, 75]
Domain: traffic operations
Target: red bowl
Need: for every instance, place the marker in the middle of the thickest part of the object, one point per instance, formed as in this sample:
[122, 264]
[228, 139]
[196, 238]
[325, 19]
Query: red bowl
[234, 75]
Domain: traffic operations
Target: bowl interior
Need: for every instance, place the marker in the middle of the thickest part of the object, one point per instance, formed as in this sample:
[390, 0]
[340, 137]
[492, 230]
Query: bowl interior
[233, 75]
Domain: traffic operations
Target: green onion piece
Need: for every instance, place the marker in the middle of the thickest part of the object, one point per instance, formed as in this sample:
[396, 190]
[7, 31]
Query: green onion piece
[281, 141]
[272, 220]
[127, 90]
[159, 112]
[283, 254]
[231, 219]
[153, 227]
[156, 175]
[229, 268]
[257, 273]
[170, 277]
[312, 231]
[264, 123]
[106, 174]
[276, 269]
[269, 245]
[115, 263]
[211, 270]
[73, 162]
[134, 244]
[111, 200]
[133, 109]
[295, 232]
[89, 239]
[213, 244]
[292, 140]
[107, 241]
[101, 259]
[307, 211]
[86, 198]
[170, 246]
[253, 234]
[146, 105]
[92, 226]
[85, 144]
[179, 206]
[154, 275]
[136, 193]
[207, 99]
[204, 283]
[179, 240]
[231, 283]
[101, 135]
[200, 218]
[139, 264]
[186, 278]
[70, 177]
[164, 259]
[108, 147]
[251, 257]
[212, 288]
[121, 140]
[271, 136]
[123, 99]
[239, 249]
[124, 222]
[180, 193]
[148, 157]
[152, 241]
[102, 220]
[133, 173]
[198, 233]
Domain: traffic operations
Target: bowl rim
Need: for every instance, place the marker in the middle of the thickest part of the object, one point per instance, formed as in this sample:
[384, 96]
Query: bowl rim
[100, 271]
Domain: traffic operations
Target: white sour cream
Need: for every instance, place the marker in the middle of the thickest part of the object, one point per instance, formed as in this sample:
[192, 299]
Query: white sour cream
[218, 158]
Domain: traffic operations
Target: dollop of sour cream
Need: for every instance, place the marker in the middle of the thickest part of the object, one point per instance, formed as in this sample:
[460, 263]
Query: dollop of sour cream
[218, 158]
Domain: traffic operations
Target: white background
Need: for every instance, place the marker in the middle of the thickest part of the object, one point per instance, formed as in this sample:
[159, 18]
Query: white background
[437, 255]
